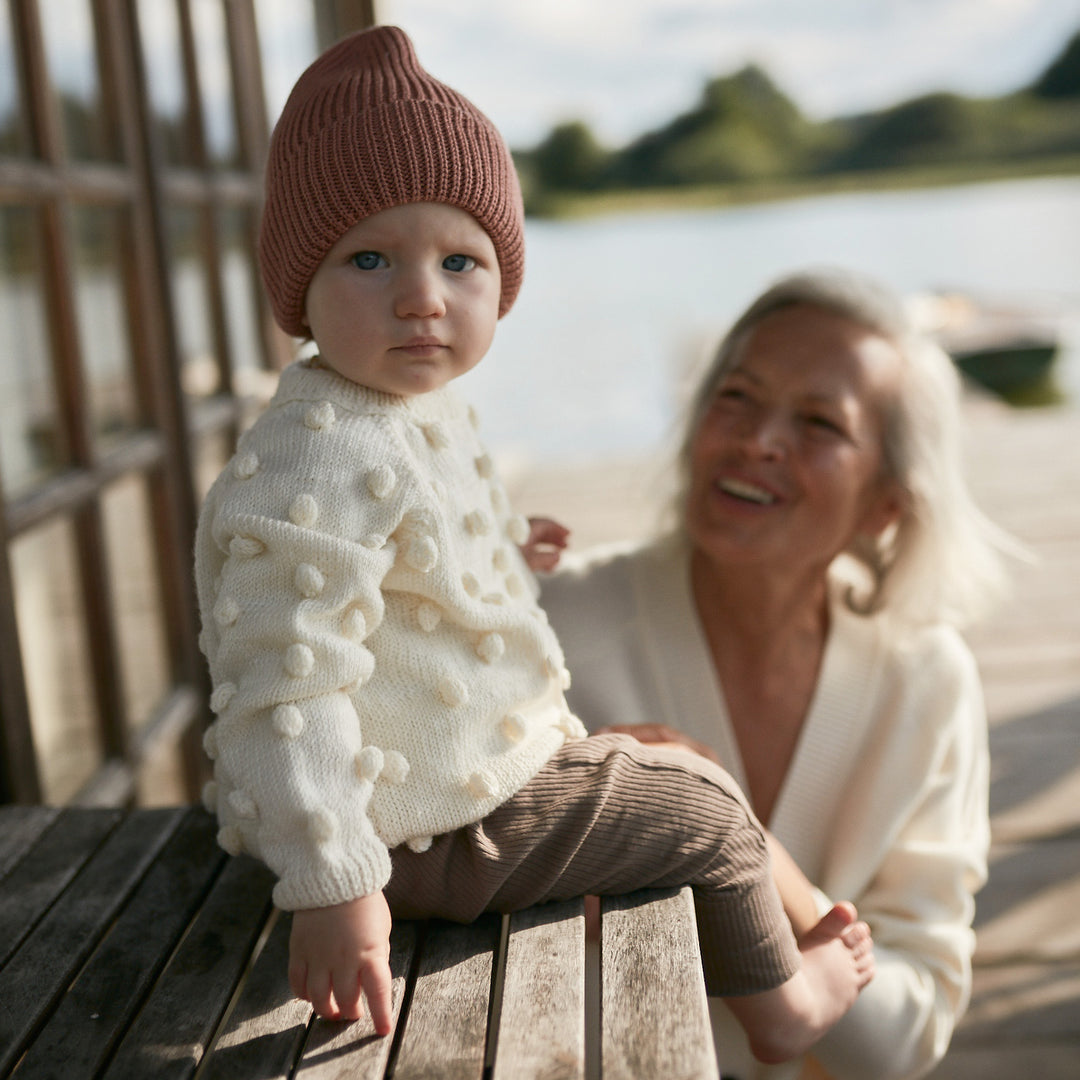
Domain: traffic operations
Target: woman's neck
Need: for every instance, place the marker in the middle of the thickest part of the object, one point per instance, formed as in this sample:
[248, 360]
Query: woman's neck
[766, 634]
[757, 610]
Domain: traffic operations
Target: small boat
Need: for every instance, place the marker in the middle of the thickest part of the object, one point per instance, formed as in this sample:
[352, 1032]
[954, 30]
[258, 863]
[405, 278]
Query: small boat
[1009, 366]
[1006, 349]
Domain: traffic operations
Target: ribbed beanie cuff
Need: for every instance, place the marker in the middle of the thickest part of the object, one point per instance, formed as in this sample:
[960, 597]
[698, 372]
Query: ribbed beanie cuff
[365, 129]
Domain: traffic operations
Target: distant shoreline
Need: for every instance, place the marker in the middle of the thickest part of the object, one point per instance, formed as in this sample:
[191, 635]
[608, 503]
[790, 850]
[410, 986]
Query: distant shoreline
[562, 206]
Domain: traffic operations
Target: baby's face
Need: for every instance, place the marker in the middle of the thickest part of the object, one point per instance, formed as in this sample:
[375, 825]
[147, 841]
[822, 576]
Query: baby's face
[407, 299]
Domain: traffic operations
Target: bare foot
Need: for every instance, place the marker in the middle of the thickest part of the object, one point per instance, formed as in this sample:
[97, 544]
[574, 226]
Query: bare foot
[839, 925]
[838, 961]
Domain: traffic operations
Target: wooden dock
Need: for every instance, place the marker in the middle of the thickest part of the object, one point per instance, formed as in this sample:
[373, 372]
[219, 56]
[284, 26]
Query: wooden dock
[133, 948]
[1024, 1018]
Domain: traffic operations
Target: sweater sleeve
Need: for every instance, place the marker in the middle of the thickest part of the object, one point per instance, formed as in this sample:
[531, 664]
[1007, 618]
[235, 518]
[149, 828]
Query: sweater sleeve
[293, 544]
[919, 898]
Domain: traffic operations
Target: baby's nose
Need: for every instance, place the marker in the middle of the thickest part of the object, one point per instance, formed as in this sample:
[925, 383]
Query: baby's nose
[419, 296]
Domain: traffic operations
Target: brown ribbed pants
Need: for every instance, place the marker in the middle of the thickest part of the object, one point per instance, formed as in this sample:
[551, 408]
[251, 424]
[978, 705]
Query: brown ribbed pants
[605, 816]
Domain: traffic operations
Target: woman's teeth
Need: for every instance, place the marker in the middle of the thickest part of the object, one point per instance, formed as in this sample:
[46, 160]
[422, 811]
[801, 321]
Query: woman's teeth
[751, 492]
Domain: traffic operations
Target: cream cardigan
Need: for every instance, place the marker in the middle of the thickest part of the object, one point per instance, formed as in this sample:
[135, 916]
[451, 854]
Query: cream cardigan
[885, 803]
[381, 670]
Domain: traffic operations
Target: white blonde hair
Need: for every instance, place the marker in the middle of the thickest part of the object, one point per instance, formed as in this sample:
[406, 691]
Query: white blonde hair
[942, 560]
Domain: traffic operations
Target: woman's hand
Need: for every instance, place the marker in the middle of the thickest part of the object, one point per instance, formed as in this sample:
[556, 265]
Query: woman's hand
[546, 542]
[337, 954]
[662, 735]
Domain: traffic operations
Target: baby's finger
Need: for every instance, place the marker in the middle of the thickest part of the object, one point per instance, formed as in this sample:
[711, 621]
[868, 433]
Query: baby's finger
[546, 531]
[542, 560]
[298, 981]
[376, 981]
[346, 988]
[321, 997]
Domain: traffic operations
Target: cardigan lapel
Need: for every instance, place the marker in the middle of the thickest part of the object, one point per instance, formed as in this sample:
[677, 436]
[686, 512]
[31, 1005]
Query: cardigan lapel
[693, 699]
[682, 667]
[831, 738]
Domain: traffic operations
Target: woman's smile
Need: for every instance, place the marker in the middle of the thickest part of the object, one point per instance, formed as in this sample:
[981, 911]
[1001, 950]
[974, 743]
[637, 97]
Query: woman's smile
[786, 465]
[745, 491]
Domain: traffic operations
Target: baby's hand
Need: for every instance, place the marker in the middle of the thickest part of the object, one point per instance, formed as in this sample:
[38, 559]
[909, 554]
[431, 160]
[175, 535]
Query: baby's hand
[335, 953]
[546, 541]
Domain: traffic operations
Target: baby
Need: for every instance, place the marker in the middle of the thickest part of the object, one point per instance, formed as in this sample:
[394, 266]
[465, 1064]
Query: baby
[391, 735]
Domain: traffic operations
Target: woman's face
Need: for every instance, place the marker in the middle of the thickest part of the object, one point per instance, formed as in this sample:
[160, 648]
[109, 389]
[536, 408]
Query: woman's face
[786, 467]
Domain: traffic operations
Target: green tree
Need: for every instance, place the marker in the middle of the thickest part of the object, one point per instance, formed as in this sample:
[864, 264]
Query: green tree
[1062, 78]
[933, 127]
[743, 128]
[570, 158]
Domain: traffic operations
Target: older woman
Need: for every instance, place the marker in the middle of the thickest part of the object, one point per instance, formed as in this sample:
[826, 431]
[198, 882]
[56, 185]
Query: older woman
[800, 624]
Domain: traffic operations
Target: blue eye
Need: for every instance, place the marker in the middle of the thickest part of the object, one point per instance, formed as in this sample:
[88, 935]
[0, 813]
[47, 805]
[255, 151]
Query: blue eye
[368, 260]
[459, 263]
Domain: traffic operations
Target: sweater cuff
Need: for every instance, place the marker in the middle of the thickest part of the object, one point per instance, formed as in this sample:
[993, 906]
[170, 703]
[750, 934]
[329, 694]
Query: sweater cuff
[328, 885]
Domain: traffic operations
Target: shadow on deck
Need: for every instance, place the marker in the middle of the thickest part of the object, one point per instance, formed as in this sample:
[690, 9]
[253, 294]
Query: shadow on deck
[1024, 1018]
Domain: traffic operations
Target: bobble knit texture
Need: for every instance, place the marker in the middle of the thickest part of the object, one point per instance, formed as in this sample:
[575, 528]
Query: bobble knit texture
[367, 697]
[366, 129]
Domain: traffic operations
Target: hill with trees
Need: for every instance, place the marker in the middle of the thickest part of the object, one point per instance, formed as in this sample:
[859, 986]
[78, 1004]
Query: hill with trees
[745, 133]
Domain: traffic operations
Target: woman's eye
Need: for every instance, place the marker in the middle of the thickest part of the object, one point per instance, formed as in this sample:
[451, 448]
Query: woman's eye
[459, 263]
[824, 424]
[368, 260]
[731, 394]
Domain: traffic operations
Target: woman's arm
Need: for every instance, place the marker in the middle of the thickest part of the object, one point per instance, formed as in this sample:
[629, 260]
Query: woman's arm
[797, 893]
[929, 773]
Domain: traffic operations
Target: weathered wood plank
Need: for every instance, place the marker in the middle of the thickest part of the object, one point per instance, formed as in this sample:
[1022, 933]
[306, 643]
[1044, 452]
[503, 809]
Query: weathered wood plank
[39, 972]
[46, 871]
[267, 1027]
[20, 826]
[654, 1019]
[156, 928]
[446, 1028]
[93, 1015]
[169, 1037]
[541, 1025]
[352, 1051]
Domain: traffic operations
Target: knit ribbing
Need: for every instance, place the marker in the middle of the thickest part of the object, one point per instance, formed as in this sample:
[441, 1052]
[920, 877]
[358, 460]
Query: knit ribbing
[366, 129]
[609, 815]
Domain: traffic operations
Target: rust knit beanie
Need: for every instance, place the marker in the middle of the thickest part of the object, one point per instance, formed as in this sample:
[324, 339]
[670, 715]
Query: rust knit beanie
[364, 129]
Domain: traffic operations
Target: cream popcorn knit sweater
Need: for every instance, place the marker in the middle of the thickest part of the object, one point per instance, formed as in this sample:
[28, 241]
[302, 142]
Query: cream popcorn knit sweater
[382, 672]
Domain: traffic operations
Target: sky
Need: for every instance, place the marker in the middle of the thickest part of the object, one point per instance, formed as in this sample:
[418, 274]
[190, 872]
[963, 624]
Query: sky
[627, 66]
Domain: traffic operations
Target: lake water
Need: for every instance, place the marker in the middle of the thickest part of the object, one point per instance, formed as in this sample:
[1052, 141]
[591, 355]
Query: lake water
[615, 310]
